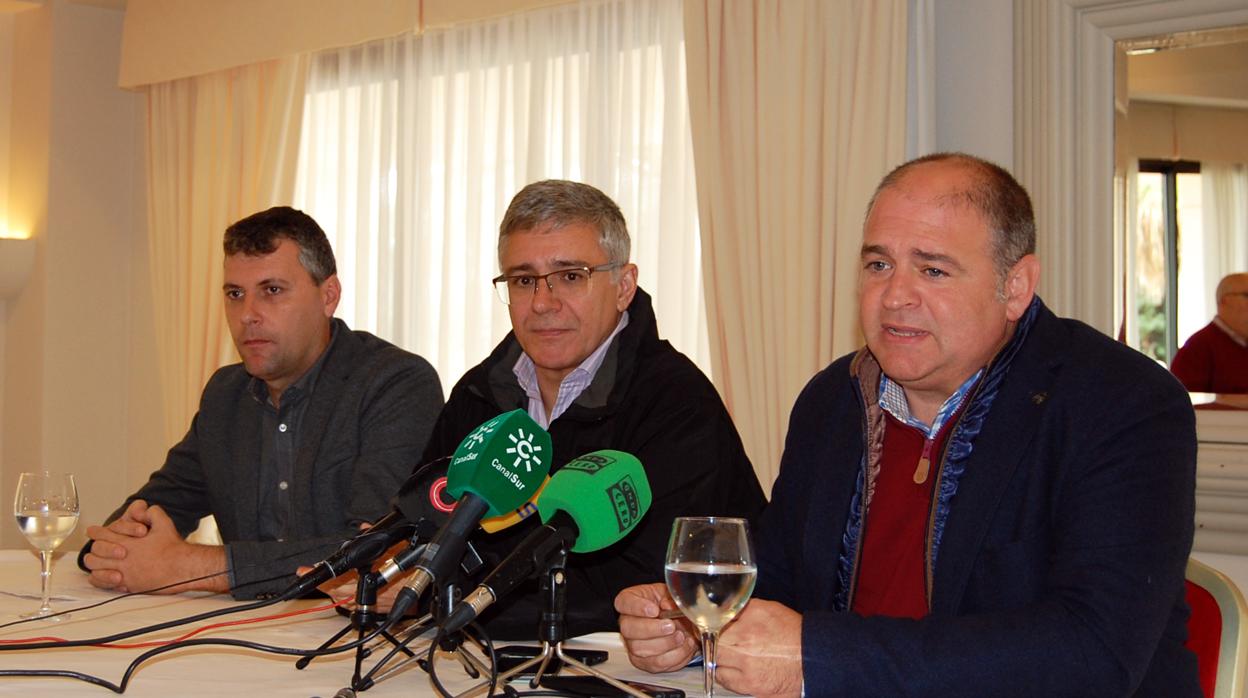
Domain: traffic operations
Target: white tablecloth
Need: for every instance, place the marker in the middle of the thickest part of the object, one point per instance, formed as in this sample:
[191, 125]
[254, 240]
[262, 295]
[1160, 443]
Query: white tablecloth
[212, 671]
[227, 671]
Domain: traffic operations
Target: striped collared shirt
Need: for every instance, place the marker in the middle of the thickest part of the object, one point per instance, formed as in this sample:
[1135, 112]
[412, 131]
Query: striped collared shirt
[893, 400]
[572, 384]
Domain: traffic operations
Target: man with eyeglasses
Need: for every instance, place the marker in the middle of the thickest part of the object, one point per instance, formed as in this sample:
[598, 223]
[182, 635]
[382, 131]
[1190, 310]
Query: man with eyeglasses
[1215, 359]
[585, 360]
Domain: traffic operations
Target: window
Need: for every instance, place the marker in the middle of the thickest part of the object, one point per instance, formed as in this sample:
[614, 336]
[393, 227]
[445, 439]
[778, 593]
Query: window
[412, 148]
[1168, 267]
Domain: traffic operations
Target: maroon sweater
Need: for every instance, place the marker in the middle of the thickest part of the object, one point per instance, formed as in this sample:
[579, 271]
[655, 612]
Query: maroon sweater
[891, 577]
[1212, 362]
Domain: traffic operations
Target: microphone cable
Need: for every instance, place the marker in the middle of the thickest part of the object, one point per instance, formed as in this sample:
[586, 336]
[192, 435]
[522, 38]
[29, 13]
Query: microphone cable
[126, 595]
[126, 634]
[192, 633]
[120, 687]
[158, 589]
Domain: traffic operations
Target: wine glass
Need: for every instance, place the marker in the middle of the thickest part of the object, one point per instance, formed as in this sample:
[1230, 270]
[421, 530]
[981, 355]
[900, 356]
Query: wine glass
[710, 573]
[46, 507]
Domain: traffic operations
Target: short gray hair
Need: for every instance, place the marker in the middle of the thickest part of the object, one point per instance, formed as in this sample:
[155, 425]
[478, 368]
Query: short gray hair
[998, 197]
[559, 202]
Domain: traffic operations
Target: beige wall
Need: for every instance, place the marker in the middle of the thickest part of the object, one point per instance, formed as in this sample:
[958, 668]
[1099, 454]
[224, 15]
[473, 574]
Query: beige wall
[79, 390]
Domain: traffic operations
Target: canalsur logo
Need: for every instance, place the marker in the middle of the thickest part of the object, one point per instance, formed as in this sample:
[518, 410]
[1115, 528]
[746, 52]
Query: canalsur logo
[624, 496]
[477, 437]
[526, 452]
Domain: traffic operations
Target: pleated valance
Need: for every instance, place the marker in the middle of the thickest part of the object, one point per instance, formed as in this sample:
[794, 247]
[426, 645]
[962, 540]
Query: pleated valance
[170, 39]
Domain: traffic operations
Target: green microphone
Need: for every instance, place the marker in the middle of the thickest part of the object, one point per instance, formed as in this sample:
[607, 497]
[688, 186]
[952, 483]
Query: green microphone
[503, 462]
[496, 469]
[591, 503]
[605, 493]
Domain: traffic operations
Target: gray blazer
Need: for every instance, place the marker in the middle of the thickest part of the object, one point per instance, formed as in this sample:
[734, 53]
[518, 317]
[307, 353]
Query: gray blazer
[367, 422]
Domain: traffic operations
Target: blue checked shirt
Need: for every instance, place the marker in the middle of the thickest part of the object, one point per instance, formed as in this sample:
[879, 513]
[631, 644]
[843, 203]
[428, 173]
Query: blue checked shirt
[893, 400]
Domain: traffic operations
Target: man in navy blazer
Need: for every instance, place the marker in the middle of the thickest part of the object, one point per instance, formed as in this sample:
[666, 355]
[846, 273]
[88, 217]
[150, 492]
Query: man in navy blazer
[292, 449]
[985, 500]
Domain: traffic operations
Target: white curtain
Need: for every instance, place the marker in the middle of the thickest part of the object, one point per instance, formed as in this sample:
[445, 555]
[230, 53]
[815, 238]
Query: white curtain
[220, 147]
[1224, 220]
[921, 79]
[413, 147]
[799, 109]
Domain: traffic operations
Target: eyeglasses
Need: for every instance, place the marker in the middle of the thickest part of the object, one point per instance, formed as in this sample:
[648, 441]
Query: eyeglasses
[566, 284]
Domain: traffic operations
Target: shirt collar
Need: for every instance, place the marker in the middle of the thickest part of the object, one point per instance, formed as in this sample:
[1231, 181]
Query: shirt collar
[893, 400]
[573, 384]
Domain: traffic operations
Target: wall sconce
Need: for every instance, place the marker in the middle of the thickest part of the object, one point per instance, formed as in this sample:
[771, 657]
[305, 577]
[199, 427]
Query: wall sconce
[17, 258]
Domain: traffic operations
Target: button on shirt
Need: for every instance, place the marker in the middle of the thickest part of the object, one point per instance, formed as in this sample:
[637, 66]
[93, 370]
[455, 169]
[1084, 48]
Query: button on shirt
[572, 384]
[279, 447]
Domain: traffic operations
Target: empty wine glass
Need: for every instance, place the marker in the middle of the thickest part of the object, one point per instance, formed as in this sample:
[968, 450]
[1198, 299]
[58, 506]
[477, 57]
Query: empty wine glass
[46, 506]
[710, 573]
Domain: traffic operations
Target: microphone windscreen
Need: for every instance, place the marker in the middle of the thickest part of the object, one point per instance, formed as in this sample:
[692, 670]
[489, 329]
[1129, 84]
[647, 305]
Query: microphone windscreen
[502, 461]
[423, 496]
[605, 492]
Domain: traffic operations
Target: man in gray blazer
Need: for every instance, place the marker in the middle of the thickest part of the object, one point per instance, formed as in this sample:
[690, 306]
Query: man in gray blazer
[292, 449]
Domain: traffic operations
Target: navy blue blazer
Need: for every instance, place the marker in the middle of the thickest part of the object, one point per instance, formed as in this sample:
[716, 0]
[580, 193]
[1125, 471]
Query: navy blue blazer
[1062, 562]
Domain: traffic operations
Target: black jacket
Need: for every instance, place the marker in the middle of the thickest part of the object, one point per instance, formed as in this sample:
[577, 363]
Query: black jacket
[647, 399]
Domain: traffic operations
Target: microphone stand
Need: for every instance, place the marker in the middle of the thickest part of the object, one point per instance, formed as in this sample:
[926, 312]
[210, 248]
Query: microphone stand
[448, 594]
[552, 631]
[363, 620]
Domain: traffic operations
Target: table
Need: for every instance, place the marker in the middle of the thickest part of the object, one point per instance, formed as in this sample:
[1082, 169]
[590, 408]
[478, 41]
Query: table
[211, 670]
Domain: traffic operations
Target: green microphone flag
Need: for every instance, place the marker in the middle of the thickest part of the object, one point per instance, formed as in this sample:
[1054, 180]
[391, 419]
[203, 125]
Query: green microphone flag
[503, 461]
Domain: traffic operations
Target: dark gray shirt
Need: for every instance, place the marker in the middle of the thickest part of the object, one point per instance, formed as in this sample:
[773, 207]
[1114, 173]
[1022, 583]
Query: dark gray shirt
[280, 440]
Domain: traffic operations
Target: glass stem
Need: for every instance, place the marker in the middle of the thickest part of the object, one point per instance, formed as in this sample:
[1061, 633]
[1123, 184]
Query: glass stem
[45, 579]
[709, 643]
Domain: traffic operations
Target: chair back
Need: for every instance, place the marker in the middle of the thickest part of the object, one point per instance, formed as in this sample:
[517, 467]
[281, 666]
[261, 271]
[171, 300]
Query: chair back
[1217, 630]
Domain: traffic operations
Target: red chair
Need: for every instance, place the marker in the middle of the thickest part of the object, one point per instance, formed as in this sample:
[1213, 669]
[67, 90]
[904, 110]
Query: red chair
[1217, 631]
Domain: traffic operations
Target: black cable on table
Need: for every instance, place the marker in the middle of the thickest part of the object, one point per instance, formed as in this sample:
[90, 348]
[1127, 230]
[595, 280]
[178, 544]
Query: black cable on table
[196, 642]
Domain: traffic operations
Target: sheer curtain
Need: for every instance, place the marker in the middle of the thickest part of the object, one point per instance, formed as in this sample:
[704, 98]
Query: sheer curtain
[220, 146]
[1224, 220]
[799, 108]
[413, 146]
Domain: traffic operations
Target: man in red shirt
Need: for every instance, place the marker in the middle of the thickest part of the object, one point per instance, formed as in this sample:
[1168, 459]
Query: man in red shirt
[1215, 359]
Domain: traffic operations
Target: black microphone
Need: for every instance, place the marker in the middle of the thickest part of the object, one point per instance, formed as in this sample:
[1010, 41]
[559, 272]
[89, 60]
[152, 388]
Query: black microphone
[495, 470]
[418, 508]
[423, 497]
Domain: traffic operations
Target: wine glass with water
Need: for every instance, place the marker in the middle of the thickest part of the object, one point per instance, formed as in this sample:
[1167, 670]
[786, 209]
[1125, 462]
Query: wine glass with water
[710, 573]
[46, 506]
